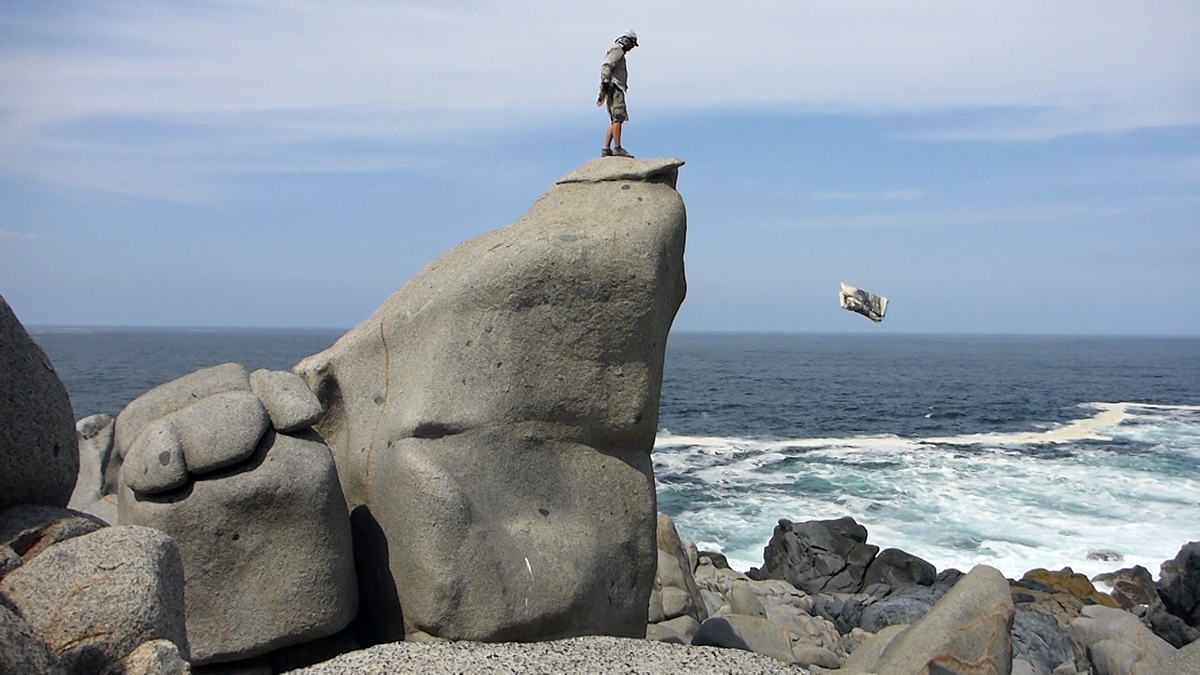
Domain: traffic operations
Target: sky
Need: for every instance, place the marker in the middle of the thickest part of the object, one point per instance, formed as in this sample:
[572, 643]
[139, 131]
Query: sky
[991, 167]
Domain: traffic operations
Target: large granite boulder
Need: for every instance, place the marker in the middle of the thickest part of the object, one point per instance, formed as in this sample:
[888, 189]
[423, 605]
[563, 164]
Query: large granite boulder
[39, 459]
[1179, 584]
[818, 556]
[968, 630]
[748, 633]
[1185, 661]
[97, 597]
[266, 547]
[1115, 642]
[492, 422]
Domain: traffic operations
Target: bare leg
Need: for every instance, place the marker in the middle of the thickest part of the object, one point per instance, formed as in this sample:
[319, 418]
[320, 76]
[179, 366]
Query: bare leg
[608, 136]
[615, 130]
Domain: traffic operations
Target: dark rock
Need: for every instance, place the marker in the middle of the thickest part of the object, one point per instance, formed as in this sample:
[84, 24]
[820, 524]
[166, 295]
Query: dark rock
[897, 610]
[819, 556]
[1168, 626]
[1131, 586]
[1179, 584]
[309, 653]
[1039, 640]
[717, 560]
[39, 458]
[897, 568]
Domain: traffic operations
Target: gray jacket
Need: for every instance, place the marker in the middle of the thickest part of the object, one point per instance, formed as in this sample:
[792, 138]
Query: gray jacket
[613, 70]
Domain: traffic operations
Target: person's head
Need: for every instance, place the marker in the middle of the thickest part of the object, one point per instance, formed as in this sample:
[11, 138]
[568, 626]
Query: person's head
[628, 41]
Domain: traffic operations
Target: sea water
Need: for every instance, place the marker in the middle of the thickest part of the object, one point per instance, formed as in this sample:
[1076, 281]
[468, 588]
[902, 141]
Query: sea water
[1018, 452]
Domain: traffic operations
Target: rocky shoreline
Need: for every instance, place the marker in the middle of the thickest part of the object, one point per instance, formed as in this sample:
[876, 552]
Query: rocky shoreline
[463, 483]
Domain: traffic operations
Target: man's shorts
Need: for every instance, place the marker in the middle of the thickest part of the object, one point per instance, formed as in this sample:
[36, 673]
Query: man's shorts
[616, 105]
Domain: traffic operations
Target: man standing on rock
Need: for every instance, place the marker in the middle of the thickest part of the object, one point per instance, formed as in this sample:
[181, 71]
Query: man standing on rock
[613, 78]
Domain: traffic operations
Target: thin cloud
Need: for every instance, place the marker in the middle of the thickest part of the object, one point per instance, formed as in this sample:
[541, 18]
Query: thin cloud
[19, 236]
[879, 196]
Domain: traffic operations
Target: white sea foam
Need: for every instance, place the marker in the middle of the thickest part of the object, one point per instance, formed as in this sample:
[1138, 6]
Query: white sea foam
[1126, 479]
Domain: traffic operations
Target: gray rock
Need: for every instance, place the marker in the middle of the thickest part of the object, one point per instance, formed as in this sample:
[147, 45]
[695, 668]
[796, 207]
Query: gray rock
[712, 601]
[692, 553]
[667, 571]
[156, 462]
[818, 556]
[22, 649]
[748, 633]
[742, 600]
[657, 632]
[95, 441]
[845, 610]
[1116, 643]
[969, 628]
[256, 666]
[1168, 626]
[670, 543]
[290, 403]
[675, 602]
[221, 430]
[506, 401]
[867, 655]
[164, 400]
[656, 607]
[899, 569]
[684, 626]
[1185, 661]
[28, 529]
[893, 611]
[1179, 584]
[1023, 667]
[250, 536]
[97, 597]
[39, 459]
[1040, 641]
[157, 657]
[1130, 587]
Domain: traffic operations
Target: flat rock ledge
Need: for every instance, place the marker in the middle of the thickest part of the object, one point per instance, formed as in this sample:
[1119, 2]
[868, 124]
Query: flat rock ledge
[621, 168]
[572, 655]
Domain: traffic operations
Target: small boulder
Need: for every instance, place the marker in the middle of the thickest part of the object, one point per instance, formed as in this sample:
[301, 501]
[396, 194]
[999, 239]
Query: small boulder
[898, 569]
[748, 633]
[864, 658]
[969, 628]
[28, 529]
[156, 461]
[742, 600]
[39, 459]
[1115, 642]
[288, 400]
[1168, 626]
[818, 556]
[897, 610]
[97, 597]
[1040, 641]
[1131, 586]
[1070, 582]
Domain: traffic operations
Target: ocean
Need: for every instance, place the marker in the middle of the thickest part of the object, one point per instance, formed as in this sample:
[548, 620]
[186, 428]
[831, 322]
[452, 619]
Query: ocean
[1017, 452]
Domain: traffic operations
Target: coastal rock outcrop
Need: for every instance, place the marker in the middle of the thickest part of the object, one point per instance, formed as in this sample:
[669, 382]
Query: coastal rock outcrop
[1179, 584]
[39, 458]
[257, 514]
[818, 556]
[492, 422]
[96, 597]
[675, 592]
